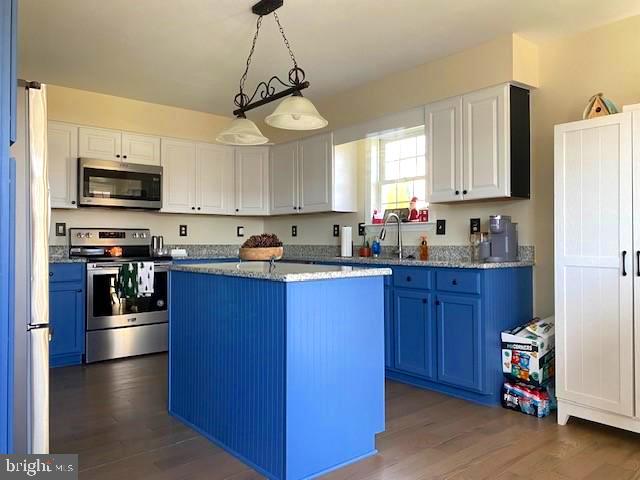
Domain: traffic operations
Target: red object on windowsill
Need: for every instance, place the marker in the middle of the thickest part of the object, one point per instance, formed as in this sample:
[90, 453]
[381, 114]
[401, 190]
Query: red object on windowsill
[424, 215]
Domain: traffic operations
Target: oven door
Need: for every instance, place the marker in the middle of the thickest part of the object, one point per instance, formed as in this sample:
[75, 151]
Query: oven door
[114, 184]
[105, 307]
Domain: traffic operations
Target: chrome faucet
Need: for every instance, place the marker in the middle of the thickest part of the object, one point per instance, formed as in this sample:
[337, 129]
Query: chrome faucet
[383, 232]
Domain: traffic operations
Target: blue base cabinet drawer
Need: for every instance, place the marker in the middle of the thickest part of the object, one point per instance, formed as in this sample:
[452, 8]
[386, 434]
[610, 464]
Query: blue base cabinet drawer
[458, 281]
[407, 277]
[66, 314]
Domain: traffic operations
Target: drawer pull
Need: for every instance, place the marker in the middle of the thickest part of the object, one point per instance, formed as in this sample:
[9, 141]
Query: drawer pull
[51, 274]
[408, 278]
[437, 303]
[424, 300]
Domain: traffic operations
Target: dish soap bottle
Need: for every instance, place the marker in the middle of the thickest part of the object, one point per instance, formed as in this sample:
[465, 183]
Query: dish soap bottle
[376, 248]
[424, 248]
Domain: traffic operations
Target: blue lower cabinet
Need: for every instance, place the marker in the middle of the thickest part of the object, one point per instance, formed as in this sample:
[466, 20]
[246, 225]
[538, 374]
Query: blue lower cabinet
[66, 316]
[415, 334]
[388, 327]
[460, 347]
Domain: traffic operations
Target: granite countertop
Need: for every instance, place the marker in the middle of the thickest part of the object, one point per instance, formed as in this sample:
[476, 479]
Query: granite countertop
[65, 259]
[453, 263]
[283, 272]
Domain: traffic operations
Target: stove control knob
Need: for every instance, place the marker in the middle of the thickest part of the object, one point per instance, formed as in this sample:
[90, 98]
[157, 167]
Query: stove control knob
[135, 235]
[143, 235]
[88, 235]
[79, 235]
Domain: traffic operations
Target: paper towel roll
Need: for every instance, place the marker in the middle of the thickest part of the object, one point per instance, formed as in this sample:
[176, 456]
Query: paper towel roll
[347, 243]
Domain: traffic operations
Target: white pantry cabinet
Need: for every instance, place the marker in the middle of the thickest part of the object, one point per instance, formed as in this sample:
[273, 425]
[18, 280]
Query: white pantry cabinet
[107, 144]
[478, 145]
[307, 176]
[62, 152]
[252, 180]
[597, 270]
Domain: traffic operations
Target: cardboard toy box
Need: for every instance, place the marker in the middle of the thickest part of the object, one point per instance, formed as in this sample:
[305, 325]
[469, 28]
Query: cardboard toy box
[528, 351]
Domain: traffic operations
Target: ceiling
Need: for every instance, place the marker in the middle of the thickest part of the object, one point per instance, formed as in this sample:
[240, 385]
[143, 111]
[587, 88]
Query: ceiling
[191, 53]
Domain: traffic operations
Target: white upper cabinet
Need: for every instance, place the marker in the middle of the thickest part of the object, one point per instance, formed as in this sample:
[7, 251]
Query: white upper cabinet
[443, 136]
[485, 144]
[63, 164]
[307, 176]
[214, 179]
[143, 149]
[100, 143]
[284, 178]
[178, 176]
[315, 162]
[479, 145]
[252, 180]
[107, 144]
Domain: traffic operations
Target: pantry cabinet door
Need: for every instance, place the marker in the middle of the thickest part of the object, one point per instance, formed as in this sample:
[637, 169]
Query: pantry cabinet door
[593, 263]
[252, 180]
[178, 176]
[486, 142]
[214, 174]
[443, 128]
[284, 178]
[636, 249]
[62, 154]
[315, 164]
[143, 149]
[100, 143]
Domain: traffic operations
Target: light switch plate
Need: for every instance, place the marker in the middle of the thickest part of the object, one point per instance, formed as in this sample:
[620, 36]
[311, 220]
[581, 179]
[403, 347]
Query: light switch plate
[294, 230]
[336, 230]
[61, 229]
[183, 231]
[474, 225]
[240, 231]
[441, 227]
[361, 230]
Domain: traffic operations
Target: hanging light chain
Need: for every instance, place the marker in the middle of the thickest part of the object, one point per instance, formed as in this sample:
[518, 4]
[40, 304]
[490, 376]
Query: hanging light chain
[286, 42]
[253, 47]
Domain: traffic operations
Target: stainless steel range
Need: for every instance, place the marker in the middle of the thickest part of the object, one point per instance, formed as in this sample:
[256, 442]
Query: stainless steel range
[118, 326]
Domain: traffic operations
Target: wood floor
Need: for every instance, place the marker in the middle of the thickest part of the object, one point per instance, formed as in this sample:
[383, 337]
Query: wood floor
[114, 415]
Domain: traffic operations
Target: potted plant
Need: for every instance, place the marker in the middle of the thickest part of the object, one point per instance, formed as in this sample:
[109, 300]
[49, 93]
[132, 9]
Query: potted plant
[262, 247]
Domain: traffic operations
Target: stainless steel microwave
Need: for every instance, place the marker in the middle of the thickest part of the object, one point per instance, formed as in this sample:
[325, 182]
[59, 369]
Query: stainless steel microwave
[105, 183]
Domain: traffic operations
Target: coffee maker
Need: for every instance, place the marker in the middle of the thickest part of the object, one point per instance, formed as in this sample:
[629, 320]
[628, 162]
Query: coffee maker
[503, 239]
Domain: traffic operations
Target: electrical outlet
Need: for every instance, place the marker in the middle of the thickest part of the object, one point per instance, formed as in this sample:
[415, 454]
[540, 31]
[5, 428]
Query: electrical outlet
[61, 229]
[240, 231]
[474, 225]
[294, 230]
[441, 227]
[361, 230]
[336, 230]
[183, 231]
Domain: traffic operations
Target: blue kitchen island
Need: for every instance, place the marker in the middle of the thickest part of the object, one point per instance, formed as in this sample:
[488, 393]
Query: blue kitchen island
[281, 365]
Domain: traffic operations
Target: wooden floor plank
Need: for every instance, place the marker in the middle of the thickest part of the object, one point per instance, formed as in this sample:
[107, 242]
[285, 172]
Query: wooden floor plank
[114, 415]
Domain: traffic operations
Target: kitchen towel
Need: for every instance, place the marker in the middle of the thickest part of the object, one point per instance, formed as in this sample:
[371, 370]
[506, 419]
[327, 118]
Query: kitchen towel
[128, 280]
[145, 278]
[346, 249]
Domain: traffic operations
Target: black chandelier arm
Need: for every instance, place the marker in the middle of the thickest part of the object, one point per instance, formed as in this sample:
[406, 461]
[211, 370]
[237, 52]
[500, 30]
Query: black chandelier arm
[267, 89]
[270, 98]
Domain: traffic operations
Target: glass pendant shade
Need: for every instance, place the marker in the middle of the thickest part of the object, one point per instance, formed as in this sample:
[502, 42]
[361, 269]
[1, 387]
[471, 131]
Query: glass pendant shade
[296, 113]
[242, 131]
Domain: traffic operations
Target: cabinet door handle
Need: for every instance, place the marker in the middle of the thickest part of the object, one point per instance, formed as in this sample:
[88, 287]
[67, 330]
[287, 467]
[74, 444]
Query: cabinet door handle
[424, 300]
[408, 278]
[437, 303]
[457, 192]
[73, 202]
[193, 208]
[454, 282]
[124, 156]
[51, 274]
[464, 192]
[624, 263]
[117, 155]
[199, 208]
[638, 262]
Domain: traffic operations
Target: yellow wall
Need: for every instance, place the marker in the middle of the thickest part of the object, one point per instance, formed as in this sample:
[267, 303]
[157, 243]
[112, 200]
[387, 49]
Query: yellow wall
[107, 111]
[568, 72]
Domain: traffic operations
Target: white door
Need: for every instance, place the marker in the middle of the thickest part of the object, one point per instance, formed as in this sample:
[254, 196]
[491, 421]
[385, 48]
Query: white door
[178, 176]
[144, 149]
[215, 180]
[485, 121]
[315, 164]
[593, 279]
[252, 180]
[284, 178]
[636, 248]
[99, 143]
[62, 154]
[443, 128]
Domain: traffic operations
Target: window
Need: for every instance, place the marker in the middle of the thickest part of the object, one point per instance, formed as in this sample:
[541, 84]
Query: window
[398, 170]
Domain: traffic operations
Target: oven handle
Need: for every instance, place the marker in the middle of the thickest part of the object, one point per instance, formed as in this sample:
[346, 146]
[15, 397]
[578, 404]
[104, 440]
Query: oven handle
[114, 267]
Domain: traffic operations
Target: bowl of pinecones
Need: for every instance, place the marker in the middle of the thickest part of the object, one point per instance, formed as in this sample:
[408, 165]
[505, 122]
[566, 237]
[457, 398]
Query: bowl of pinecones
[263, 247]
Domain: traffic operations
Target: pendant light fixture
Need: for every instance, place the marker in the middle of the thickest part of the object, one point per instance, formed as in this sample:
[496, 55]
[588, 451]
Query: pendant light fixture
[294, 113]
